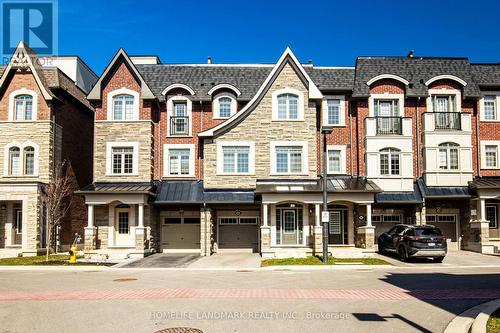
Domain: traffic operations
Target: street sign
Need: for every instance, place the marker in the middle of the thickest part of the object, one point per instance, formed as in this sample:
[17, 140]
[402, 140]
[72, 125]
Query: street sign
[325, 217]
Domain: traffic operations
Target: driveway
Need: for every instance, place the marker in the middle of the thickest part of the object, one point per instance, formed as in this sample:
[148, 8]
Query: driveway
[453, 258]
[229, 261]
[165, 260]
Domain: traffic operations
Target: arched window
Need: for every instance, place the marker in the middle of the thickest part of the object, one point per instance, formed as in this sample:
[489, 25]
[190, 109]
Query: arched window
[389, 161]
[29, 161]
[123, 107]
[14, 160]
[23, 107]
[448, 156]
[288, 107]
[225, 107]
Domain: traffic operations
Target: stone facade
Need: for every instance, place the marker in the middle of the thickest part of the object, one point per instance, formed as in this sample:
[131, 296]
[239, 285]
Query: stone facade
[114, 131]
[206, 225]
[259, 127]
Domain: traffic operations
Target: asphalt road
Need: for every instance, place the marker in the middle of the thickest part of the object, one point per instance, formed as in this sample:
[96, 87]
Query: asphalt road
[397, 299]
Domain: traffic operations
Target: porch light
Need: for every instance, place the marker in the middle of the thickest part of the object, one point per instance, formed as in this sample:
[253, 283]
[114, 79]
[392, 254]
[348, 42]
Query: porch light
[3, 207]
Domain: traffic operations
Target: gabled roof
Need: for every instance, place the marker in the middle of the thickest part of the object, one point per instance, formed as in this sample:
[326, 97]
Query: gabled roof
[95, 93]
[417, 71]
[286, 58]
[23, 58]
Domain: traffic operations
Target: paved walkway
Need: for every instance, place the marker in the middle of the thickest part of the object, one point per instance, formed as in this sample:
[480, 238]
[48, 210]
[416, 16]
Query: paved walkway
[164, 260]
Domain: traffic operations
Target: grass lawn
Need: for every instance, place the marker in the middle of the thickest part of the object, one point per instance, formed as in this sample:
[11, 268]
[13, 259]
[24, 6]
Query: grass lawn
[316, 260]
[493, 325]
[54, 260]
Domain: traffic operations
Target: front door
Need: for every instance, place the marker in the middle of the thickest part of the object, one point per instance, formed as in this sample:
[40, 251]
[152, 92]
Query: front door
[337, 227]
[18, 226]
[122, 227]
[289, 227]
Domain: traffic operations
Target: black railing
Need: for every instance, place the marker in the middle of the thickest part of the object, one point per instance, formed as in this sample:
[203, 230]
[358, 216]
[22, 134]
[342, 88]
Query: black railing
[389, 125]
[179, 125]
[447, 120]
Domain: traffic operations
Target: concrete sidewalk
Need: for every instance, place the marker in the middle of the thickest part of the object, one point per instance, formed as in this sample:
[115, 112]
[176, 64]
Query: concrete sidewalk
[228, 261]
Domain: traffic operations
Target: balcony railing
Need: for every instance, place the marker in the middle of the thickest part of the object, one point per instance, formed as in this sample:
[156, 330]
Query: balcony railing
[179, 126]
[389, 125]
[448, 121]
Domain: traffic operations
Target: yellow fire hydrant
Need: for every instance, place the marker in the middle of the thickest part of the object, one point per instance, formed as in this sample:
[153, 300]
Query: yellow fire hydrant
[72, 255]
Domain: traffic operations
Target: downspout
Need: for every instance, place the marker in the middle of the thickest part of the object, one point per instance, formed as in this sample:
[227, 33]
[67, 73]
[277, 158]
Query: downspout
[160, 146]
[417, 132]
[350, 136]
[198, 144]
[478, 152]
[207, 252]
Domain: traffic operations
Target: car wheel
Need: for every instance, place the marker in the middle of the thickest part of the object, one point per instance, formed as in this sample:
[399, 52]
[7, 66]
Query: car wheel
[438, 259]
[403, 256]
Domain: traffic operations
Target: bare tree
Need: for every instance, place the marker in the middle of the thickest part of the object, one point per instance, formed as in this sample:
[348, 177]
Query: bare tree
[58, 198]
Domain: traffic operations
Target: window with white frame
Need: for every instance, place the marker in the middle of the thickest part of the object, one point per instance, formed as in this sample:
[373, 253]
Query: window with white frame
[491, 216]
[288, 107]
[390, 161]
[29, 160]
[448, 156]
[23, 107]
[490, 107]
[289, 159]
[236, 159]
[179, 109]
[122, 160]
[444, 103]
[225, 106]
[234, 220]
[228, 220]
[179, 162]
[440, 218]
[389, 218]
[386, 107]
[334, 161]
[333, 111]
[14, 161]
[491, 156]
[123, 107]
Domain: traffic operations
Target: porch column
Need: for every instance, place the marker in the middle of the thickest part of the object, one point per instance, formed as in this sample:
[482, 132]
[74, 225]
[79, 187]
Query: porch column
[317, 231]
[89, 241]
[366, 233]
[265, 232]
[206, 232]
[482, 209]
[140, 231]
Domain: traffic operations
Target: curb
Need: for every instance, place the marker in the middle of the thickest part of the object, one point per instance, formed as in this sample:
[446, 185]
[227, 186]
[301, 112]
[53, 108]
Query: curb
[474, 319]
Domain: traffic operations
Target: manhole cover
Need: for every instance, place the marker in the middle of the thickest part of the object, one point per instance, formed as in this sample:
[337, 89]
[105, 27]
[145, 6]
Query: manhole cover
[180, 330]
[124, 279]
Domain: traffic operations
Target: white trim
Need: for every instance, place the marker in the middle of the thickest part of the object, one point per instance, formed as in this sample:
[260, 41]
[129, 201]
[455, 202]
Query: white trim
[177, 86]
[305, 156]
[224, 86]
[215, 105]
[300, 103]
[122, 91]
[314, 92]
[34, 107]
[483, 145]
[21, 146]
[386, 96]
[170, 111]
[135, 158]
[497, 104]
[446, 77]
[387, 76]
[220, 157]
[324, 109]
[343, 159]
[166, 159]
[443, 91]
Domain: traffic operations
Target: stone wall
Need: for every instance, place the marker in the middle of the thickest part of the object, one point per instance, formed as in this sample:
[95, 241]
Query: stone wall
[135, 131]
[259, 127]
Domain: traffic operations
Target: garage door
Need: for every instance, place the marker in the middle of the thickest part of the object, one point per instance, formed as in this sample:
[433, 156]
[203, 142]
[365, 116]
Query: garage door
[448, 225]
[180, 235]
[239, 233]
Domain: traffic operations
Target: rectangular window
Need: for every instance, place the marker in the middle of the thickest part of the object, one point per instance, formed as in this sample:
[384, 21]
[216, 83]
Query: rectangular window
[248, 220]
[123, 227]
[386, 108]
[443, 103]
[491, 216]
[178, 161]
[236, 159]
[122, 159]
[179, 122]
[384, 164]
[333, 108]
[29, 161]
[288, 107]
[490, 155]
[19, 221]
[228, 220]
[441, 218]
[388, 218]
[334, 161]
[289, 159]
[490, 107]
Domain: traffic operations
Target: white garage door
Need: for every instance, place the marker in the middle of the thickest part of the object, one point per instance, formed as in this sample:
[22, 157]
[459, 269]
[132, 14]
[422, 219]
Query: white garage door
[180, 235]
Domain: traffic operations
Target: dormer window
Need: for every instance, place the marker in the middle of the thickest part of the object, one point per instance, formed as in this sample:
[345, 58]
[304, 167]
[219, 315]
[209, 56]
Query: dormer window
[23, 107]
[123, 107]
[288, 107]
[444, 103]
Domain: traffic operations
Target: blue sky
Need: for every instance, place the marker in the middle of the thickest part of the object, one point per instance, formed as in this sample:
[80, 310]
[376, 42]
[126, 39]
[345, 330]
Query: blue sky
[331, 33]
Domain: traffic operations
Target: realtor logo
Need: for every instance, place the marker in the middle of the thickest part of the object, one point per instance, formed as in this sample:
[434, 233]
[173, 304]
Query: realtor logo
[31, 21]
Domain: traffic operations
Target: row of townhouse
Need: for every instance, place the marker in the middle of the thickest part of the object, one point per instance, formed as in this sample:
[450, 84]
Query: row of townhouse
[209, 158]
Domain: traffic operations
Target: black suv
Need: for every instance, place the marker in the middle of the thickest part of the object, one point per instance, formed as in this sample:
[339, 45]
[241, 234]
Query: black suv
[414, 241]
